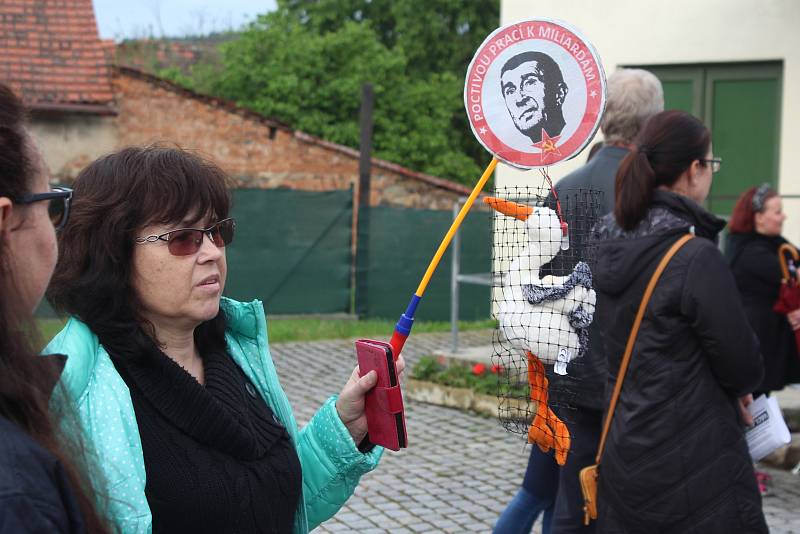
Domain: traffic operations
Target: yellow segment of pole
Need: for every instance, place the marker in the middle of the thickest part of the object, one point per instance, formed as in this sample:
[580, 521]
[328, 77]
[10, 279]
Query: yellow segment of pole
[454, 227]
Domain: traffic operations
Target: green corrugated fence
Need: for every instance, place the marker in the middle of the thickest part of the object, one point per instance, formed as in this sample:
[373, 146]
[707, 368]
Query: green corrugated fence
[292, 250]
[400, 244]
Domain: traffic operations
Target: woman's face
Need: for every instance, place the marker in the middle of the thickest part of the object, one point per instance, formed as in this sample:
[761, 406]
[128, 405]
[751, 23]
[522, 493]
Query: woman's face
[178, 292]
[33, 250]
[769, 221]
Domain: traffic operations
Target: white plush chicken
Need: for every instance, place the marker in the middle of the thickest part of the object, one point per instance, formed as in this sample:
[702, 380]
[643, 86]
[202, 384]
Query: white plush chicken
[546, 319]
[546, 316]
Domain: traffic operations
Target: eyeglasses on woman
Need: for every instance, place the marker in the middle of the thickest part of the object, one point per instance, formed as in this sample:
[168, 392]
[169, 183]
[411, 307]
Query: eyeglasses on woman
[59, 199]
[187, 241]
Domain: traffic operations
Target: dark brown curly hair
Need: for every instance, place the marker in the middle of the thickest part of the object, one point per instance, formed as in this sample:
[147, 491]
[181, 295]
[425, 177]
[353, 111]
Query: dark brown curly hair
[113, 199]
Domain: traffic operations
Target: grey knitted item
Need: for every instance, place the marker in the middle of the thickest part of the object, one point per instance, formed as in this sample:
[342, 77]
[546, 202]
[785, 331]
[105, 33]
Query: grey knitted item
[581, 275]
[579, 318]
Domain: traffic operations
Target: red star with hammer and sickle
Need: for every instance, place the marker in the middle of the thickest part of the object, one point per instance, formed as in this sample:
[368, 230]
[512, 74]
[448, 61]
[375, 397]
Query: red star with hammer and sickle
[548, 145]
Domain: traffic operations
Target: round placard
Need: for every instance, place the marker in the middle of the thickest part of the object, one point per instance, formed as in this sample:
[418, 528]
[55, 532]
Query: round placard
[535, 92]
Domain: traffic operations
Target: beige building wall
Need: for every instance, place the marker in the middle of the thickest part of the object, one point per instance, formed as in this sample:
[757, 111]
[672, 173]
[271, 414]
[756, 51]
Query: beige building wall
[649, 32]
[68, 142]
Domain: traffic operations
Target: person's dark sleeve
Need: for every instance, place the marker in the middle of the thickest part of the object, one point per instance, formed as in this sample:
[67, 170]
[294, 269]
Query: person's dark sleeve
[22, 514]
[711, 302]
[759, 264]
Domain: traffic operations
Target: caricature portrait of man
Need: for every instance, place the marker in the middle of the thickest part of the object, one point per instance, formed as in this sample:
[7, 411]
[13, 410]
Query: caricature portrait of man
[534, 91]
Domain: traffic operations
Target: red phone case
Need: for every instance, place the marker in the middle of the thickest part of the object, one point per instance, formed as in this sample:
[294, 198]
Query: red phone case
[386, 422]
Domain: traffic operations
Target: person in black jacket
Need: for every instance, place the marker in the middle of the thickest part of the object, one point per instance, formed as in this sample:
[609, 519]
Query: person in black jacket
[676, 459]
[754, 236]
[41, 490]
[634, 95]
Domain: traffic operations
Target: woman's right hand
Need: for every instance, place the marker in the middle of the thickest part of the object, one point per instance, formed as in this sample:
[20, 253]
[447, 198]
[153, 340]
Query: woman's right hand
[794, 319]
[744, 402]
[350, 405]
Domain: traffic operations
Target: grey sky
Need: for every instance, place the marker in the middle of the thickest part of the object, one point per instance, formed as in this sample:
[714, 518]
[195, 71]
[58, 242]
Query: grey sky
[119, 19]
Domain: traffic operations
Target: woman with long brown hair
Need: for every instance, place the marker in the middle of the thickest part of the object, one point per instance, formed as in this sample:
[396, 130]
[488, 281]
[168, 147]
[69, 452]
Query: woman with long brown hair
[41, 489]
[675, 458]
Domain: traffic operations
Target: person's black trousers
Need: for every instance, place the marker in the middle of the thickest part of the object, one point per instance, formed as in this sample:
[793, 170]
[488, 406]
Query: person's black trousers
[585, 427]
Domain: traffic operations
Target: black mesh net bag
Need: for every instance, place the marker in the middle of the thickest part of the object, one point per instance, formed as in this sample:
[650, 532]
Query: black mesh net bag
[544, 302]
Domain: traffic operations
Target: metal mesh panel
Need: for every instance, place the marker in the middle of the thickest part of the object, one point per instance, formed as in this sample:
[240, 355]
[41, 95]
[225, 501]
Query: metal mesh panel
[543, 300]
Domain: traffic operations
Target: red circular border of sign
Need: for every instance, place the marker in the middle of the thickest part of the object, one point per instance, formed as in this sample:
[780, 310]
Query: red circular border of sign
[591, 116]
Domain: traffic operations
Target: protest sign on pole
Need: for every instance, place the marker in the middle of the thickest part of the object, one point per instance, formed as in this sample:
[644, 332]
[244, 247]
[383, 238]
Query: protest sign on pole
[534, 93]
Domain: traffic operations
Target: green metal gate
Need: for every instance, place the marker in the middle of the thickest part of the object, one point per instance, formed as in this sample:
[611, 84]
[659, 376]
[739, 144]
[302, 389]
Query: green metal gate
[740, 102]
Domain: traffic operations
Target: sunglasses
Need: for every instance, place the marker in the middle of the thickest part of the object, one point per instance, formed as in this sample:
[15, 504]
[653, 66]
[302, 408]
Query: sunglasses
[59, 199]
[187, 241]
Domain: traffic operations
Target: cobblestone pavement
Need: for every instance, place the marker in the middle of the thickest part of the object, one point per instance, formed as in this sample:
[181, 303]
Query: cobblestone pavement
[460, 469]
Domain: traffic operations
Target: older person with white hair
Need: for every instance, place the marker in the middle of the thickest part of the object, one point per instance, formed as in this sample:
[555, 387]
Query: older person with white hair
[634, 95]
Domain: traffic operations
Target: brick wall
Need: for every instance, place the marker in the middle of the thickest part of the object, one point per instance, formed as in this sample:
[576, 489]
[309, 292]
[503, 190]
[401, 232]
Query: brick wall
[258, 152]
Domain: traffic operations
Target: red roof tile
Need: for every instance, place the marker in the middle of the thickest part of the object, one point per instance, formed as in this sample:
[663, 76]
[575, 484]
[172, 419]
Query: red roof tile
[50, 53]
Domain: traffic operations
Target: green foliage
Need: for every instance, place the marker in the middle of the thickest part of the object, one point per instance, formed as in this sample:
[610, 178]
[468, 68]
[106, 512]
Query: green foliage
[305, 65]
[426, 368]
[176, 75]
[312, 82]
[434, 35]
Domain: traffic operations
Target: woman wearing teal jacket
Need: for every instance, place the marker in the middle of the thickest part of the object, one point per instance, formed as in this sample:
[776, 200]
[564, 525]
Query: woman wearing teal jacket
[174, 384]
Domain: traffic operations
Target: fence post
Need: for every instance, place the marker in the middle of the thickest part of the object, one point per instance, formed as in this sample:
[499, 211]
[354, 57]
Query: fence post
[364, 187]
